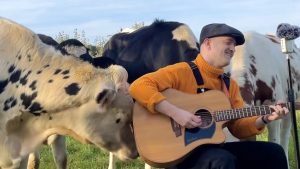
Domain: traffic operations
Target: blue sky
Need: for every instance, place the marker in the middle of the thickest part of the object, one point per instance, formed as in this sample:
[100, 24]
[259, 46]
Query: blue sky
[100, 18]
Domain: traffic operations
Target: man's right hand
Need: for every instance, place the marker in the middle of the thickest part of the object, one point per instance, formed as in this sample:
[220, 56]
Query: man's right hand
[182, 117]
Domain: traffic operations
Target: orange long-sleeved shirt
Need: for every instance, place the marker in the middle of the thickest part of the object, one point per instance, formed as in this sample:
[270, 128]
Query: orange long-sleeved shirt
[146, 90]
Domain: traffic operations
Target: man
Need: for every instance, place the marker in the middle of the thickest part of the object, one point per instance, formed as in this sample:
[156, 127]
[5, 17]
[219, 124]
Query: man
[217, 46]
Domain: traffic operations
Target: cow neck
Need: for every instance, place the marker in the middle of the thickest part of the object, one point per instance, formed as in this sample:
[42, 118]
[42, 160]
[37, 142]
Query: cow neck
[210, 70]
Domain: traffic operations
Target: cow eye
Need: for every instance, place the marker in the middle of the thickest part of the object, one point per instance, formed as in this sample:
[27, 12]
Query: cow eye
[118, 120]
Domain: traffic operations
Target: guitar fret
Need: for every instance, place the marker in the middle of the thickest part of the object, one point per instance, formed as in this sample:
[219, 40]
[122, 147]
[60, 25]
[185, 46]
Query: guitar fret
[257, 110]
[224, 115]
[264, 108]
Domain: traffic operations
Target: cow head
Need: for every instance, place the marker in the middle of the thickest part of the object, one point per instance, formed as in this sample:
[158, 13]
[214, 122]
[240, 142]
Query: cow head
[106, 119]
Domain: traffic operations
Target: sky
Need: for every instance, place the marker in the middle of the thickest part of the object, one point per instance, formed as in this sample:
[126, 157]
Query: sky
[99, 18]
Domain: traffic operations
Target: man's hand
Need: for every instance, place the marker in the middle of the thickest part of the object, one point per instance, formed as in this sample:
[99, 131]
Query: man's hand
[182, 117]
[279, 112]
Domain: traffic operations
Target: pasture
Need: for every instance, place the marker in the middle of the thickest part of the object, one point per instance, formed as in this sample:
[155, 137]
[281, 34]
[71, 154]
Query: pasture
[85, 156]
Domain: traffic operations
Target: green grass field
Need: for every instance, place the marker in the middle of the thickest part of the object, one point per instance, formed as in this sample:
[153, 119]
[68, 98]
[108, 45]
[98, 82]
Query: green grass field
[88, 157]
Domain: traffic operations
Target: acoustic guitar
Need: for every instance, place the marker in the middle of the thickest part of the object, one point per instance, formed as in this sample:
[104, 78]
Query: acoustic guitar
[161, 142]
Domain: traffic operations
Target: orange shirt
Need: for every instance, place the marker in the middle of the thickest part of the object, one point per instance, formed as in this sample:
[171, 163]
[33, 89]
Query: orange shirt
[146, 90]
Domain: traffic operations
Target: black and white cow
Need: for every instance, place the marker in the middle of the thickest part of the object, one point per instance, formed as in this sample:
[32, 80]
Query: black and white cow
[152, 47]
[73, 47]
[260, 68]
[48, 40]
[43, 93]
[69, 48]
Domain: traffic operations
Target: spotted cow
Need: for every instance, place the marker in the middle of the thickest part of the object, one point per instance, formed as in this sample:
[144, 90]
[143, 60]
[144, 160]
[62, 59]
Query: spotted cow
[43, 93]
[69, 48]
[260, 68]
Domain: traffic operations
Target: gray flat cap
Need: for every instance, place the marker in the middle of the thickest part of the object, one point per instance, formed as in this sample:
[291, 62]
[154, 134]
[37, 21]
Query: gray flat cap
[220, 29]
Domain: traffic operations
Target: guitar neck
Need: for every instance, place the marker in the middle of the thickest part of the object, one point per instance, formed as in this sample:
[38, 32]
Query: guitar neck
[231, 114]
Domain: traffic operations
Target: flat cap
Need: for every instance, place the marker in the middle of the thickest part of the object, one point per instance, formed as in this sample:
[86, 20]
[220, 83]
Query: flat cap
[220, 29]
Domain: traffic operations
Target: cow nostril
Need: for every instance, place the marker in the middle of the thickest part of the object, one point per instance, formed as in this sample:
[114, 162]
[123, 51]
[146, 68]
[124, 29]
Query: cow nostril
[134, 155]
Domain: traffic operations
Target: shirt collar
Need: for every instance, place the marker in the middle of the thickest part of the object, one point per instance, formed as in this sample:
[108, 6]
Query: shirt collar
[209, 69]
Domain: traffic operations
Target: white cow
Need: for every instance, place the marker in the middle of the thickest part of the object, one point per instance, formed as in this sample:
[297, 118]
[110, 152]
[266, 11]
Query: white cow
[260, 68]
[43, 93]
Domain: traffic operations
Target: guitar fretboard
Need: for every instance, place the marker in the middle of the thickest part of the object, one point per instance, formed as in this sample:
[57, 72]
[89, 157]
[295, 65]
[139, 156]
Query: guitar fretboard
[225, 115]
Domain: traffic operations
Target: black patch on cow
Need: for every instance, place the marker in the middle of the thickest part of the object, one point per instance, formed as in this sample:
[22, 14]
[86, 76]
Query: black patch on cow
[9, 103]
[28, 102]
[3, 84]
[273, 83]
[11, 68]
[65, 72]
[33, 85]
[35, 107]
[66, 77]
[252, 58]
[27, 99]
[101, 95]
[57, 71]
[263, 91]
[72, 89]
[29, 58]
[50, 81]
[15, 76]
[118, 120]
[24, 79]
[253, 70]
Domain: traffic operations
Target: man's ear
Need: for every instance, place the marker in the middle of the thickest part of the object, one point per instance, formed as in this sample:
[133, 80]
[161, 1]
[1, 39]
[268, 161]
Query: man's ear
[106, 97]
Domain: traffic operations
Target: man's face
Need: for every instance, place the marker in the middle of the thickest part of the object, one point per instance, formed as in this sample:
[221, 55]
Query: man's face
[222, 49]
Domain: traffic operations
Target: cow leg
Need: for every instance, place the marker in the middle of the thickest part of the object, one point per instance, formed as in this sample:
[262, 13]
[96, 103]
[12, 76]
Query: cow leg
[285, 132]
[24, 162]
[274, 129]
[112, 161]
[229, 136]
[58, 147]
[33, 160]
[147, 166]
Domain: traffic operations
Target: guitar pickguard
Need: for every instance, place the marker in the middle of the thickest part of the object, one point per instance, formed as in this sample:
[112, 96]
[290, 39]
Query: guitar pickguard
[197, 133]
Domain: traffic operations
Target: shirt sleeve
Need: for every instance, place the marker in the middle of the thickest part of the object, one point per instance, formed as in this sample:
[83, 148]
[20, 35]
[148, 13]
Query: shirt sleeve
[244, 127]
[146, 89]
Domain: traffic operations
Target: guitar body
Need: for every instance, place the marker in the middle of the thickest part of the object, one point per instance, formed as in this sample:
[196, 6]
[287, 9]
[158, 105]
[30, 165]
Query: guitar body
[162, 143]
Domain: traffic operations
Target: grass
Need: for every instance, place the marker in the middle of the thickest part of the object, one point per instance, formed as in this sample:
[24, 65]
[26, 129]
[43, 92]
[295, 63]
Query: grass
[88, 157]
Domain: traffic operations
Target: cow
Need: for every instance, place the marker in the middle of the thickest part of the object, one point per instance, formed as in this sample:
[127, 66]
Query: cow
[152, 47]
[48, 40]
[73, 47]
[260, 69]
[43, 93]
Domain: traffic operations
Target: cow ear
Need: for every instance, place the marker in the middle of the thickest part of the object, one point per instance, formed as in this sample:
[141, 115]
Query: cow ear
[119, 74]
[105, 97]
[14, 123]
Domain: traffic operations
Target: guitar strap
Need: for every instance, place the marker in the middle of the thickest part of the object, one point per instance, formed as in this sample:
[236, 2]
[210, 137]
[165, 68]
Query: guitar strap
[225, 80]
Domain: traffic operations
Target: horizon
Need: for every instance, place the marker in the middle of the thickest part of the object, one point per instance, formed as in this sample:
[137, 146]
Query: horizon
[101, 19]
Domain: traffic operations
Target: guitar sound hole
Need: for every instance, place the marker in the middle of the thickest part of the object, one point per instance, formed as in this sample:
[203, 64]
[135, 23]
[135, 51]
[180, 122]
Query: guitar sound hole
[206, 118]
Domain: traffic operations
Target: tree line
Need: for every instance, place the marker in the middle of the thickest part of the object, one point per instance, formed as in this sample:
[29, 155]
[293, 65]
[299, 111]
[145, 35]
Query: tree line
[96, 48]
